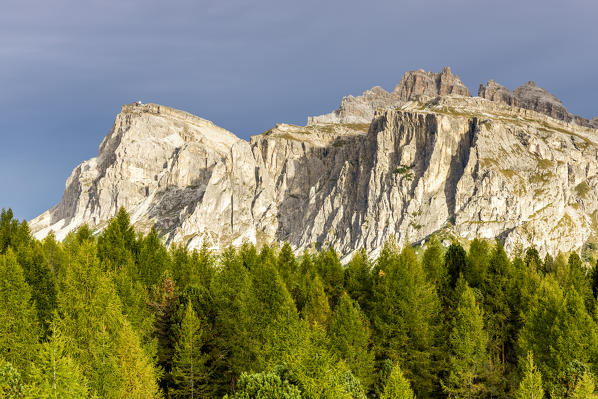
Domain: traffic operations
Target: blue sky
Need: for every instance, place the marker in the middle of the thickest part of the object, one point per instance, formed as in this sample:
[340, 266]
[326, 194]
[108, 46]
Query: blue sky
[66, 67]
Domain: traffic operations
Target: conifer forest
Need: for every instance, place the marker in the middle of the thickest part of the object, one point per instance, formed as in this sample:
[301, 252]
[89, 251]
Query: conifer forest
[118, 314]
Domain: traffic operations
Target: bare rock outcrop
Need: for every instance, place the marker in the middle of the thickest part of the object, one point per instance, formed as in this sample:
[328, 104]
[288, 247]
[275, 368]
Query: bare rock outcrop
[497, 93]
[420, 82]
[532, 97]
[413, 85]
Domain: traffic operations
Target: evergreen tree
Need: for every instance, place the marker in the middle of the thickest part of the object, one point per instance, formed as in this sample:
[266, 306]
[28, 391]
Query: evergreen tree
[584, 389]
[331, 271]
[153, 259]
[316, 308]
[433, 263]
[189, 369]
[595, 281]
[477, 262]
[264, 386]
[467, 349]
[530, 386]
[19, 329]
[350, 335]
[117, 244]
[165, 305]
[397, 386]
[404, 314]
[358, 279]
[455, 260]
[558, 330]
[497, 291]
[139, 379]
[232, 293]
[287, 265]
[55, 375]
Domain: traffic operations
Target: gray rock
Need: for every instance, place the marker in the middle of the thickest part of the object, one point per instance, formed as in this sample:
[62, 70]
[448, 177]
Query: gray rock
[418, 83]
[449, 165]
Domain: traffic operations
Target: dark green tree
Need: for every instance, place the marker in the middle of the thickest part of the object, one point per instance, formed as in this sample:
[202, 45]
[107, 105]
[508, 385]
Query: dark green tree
[117, 244]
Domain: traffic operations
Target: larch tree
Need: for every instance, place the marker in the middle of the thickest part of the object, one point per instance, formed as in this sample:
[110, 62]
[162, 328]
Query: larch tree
[397, 386]
[189, 369]
[530, 386]
[19, 328]
[350, 336]
[56, 375]
[467, 349]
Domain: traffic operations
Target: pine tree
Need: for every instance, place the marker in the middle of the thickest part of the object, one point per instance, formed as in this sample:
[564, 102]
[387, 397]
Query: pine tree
[55, 375]
[467, 349]
[397, 386]
[477, 262]
[350, 335]
[455, 260]
[331, 271]
[433, 263]
[287, 265]
[189, 369]
[358, 279]
[559, 331]
[316, 308]
[137, 374]
[264, 386]
[404, 315]
[530, 386]
[497, 307]
[19, 329]
[232, 293]
[165, 305]
[153, 259]
[116, 244]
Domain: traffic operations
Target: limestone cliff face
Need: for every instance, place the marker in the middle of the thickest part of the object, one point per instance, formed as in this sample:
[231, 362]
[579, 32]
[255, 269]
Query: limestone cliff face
[452, 165]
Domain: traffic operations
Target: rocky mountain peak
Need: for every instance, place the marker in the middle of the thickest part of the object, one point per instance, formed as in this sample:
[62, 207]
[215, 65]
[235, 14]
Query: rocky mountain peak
[378, 167]
[419, 82]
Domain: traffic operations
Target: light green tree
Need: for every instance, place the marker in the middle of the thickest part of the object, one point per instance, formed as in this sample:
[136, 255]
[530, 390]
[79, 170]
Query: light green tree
[19, 329]
[467, 344]
[397, 386]
[530, 386]
[350, 336]
[189, 370]
[56, 375]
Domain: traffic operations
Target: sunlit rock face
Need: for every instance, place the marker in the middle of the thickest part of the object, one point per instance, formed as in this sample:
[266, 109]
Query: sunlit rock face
[426, 158]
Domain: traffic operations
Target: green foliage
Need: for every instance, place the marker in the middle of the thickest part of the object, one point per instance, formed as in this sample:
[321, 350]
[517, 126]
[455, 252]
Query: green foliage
[468, 341]
[19, 329]
[11, 385]
[116, 244]
[558, 330]
[55, 374]
[350, 336]
[530, 386]
[404, 313]
[119, 315]
[397, 386]
[189, 369]
[264, 386]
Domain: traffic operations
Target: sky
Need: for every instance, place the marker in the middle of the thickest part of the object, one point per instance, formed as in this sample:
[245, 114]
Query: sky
[66, 67]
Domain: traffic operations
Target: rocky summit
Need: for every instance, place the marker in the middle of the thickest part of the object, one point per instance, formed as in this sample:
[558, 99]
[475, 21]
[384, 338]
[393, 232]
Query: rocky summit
[425, 158]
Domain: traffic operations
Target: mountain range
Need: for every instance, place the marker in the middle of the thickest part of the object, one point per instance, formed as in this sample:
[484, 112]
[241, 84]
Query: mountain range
[426, 158]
